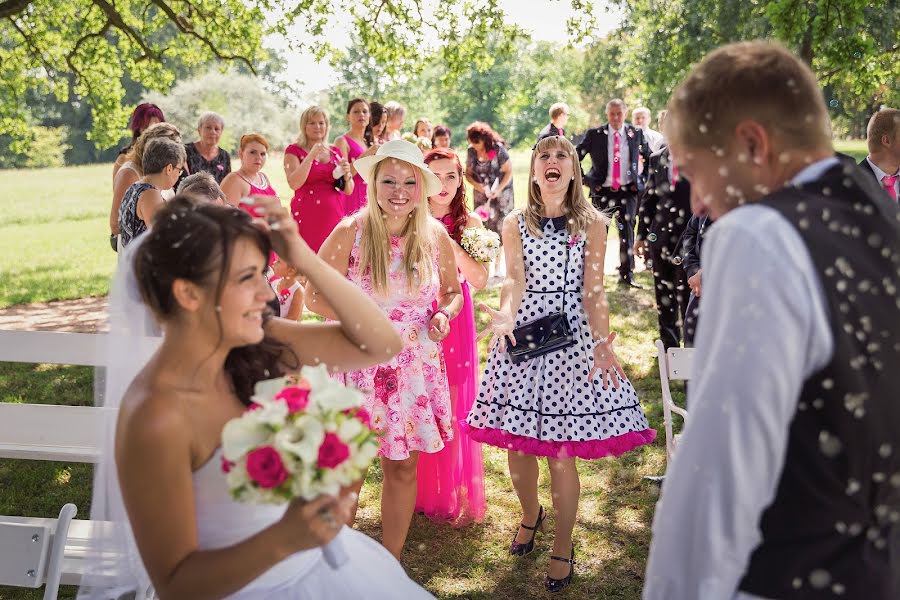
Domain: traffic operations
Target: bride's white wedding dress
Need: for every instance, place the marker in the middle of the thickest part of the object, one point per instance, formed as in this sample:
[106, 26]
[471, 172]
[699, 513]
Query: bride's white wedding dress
[371, 572]
[112, 562]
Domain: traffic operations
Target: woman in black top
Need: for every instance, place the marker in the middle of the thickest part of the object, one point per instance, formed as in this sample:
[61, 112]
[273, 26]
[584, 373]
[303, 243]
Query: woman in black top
[205, 154]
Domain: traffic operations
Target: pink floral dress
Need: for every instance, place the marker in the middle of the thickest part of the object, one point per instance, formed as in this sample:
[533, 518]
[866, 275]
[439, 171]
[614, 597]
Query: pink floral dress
[408, 397]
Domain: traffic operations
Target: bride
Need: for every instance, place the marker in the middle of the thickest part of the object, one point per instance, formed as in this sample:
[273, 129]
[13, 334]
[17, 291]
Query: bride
[201, 271]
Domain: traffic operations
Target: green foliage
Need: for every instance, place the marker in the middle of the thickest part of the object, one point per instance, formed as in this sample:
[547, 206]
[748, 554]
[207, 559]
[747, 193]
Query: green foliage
[242, 100]
[47, 148]
[97, 44]
[851, 45]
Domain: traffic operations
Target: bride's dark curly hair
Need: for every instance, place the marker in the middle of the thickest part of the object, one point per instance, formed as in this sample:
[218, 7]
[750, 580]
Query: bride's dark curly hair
[195, 242]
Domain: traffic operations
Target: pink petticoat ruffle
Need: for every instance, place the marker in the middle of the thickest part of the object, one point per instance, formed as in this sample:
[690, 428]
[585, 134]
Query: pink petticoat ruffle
[587, 449]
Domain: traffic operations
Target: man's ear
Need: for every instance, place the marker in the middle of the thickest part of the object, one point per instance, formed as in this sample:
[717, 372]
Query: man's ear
[188, 295]
[753, 139]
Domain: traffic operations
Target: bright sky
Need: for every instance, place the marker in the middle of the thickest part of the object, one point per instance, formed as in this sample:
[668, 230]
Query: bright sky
[544, 19]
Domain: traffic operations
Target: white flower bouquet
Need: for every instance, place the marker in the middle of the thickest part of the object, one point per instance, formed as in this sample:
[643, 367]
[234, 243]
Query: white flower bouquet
[304, 436]
[481, 244]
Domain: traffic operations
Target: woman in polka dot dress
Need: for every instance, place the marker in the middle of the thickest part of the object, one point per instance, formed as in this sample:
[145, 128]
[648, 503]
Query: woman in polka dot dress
[575, 402]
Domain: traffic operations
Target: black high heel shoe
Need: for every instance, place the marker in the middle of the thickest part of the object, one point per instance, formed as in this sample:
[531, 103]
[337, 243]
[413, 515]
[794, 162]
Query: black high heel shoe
[520, 549]
[558, 585]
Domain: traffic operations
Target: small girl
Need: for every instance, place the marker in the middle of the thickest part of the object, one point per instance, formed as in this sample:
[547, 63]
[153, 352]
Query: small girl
[290, 291]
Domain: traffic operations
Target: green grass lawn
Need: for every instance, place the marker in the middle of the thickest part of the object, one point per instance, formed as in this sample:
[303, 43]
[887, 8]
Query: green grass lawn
[55, 247]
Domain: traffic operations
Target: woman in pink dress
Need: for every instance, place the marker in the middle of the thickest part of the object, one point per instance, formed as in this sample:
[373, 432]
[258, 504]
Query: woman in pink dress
[249, 180]
[356, 143]
[451, 482]
[401, 257]
[317, 174]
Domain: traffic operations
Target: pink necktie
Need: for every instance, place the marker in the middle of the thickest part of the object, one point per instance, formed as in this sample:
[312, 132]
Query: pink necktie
[617, 163]
[889, 181]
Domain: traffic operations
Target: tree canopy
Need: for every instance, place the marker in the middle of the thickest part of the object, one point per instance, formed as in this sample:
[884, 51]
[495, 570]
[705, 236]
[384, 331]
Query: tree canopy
[454, 60]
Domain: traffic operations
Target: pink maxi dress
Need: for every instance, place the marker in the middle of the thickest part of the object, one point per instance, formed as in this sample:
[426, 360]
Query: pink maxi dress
[451, 482]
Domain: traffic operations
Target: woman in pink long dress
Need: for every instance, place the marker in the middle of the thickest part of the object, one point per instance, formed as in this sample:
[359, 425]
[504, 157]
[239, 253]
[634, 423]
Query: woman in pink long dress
[451, 482]
[357, 142]
[315, 171]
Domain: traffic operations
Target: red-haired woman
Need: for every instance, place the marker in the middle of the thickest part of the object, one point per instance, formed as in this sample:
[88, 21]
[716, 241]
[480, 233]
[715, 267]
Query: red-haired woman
[144, 116]
[451, 482]
[489, 170]
[249, 180]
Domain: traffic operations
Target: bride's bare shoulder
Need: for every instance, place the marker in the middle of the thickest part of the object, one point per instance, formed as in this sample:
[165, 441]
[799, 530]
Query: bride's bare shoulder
[152, 412]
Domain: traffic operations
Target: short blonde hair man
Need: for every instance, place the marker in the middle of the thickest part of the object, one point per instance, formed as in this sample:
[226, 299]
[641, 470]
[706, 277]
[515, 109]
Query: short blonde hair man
[793, 417]
[557, 109]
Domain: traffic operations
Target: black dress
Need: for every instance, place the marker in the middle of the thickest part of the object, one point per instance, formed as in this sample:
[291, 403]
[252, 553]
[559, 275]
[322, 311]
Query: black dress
[218, 167]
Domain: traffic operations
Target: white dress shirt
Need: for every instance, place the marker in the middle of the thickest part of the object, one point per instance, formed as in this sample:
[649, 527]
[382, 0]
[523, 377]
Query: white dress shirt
[764, 329]
[654, 139]
[625, 176]
[879, 174]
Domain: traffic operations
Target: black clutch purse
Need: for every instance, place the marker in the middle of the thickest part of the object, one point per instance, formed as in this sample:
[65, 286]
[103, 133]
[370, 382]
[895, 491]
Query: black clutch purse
[545, 335]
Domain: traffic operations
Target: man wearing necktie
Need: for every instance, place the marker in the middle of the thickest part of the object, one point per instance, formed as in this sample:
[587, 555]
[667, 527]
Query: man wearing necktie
[615, 179]
[559, 116]
[883, 161]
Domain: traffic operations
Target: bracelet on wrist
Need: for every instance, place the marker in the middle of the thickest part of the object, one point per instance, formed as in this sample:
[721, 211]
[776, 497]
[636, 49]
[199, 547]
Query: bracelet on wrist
[444, 312]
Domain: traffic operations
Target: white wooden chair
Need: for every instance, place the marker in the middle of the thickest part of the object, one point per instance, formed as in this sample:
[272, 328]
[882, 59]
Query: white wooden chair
[32, 551]
[52, 432]
[674, 365]
[38, 551]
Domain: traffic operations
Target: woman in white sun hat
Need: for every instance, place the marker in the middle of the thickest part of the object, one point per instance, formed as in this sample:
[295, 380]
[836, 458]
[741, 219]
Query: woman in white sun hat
[401, 257]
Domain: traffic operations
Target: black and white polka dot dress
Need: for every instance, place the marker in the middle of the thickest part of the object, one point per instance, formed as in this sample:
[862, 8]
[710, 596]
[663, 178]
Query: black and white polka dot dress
[547, 406]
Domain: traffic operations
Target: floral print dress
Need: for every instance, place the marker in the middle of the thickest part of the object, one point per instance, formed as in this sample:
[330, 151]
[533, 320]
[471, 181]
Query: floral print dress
[408, 397]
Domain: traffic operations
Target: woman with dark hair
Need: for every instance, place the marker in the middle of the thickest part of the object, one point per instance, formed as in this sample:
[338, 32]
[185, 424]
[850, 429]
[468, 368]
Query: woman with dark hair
[356, 143]
[441, 137]
[451, 482]
[489, 170]
[200, 272]
[377, 122]
[144, 116]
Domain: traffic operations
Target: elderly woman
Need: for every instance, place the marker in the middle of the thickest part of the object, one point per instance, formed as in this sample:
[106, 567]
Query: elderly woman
[205, 154]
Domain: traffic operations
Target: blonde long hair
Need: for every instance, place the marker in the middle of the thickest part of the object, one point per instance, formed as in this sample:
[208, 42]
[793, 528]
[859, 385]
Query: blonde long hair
[580, 212]
[305, 116]
[375, 243]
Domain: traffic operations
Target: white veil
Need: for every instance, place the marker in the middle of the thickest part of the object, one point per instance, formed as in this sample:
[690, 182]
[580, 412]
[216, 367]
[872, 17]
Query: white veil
[113, 567]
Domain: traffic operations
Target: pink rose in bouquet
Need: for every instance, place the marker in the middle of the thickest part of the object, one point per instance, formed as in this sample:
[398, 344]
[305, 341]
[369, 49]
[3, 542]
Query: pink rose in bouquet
[296, 397]
[333, 451]
[265, 467]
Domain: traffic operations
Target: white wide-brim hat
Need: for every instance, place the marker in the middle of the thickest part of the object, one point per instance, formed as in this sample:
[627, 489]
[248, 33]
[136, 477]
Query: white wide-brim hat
[399, 150]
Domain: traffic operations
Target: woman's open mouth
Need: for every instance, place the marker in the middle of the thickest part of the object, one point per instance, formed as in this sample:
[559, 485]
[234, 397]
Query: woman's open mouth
[444, 193]
[552, 174]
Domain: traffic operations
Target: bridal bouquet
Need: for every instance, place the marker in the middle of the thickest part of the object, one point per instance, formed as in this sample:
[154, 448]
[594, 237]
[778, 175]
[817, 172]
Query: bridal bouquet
[481, 244]
[304, 436]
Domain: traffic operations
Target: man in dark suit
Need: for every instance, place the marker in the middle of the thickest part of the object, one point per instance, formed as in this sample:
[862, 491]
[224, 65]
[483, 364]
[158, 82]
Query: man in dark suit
[665, 207]
[559, 116]
[615, 179]
[883, 161]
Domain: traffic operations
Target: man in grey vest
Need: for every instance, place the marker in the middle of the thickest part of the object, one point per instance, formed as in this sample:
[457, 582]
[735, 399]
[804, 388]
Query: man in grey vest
[786, 482]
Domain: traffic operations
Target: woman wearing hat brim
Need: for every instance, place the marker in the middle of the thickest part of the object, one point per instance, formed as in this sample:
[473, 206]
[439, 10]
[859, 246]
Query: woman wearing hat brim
[395, 252]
